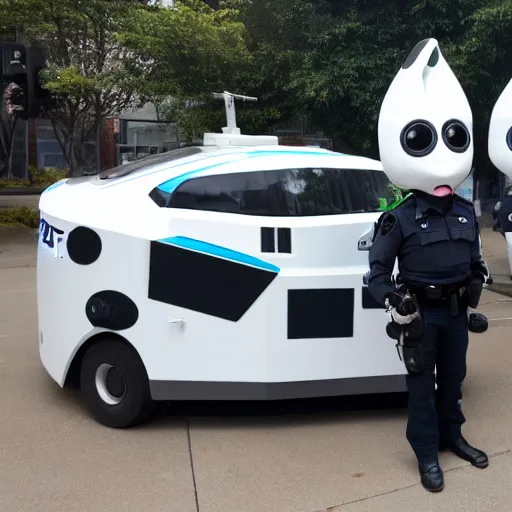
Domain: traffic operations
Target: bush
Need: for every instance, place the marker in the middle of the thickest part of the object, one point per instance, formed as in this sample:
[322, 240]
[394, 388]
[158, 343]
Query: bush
[37, 178]
[14, 183]
[19, 216]
[46, 177]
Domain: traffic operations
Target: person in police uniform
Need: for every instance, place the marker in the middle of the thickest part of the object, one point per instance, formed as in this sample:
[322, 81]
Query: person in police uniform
[500, 153]
[425, 142]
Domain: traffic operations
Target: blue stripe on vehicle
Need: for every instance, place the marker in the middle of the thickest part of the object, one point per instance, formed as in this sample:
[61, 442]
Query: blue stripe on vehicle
[163, 167]
[171, 185]
[218, 251]
[55, 185]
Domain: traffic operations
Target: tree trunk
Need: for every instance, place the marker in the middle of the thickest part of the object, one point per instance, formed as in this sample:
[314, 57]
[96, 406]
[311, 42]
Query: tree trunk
[74, 139]
[7, 139]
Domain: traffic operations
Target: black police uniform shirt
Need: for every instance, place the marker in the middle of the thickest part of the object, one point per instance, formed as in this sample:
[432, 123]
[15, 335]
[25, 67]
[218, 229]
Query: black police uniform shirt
[436, 242]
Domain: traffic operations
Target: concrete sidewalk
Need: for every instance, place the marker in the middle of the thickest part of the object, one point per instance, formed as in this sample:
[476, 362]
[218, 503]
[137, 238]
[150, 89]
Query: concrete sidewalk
[20, 200]
[300, 457]
[495, 253]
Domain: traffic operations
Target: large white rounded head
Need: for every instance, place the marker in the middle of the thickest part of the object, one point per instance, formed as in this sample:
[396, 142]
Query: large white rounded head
[500, 132]
[426, 124]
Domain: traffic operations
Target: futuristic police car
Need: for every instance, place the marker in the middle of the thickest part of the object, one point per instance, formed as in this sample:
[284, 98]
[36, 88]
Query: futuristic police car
[227, 271]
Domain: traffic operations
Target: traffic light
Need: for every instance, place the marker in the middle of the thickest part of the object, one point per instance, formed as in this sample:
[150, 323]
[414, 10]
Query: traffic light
[23, 94]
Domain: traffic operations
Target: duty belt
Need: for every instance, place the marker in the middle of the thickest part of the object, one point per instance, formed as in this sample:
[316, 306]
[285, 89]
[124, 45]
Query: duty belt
[438, 295]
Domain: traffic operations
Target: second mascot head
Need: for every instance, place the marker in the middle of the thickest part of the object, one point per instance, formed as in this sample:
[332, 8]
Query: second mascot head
[426, 125]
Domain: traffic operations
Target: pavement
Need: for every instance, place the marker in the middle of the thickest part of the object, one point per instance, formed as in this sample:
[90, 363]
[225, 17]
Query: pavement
[321, 455]
[19, 200]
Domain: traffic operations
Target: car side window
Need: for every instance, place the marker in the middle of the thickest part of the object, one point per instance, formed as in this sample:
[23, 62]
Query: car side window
[286, 192]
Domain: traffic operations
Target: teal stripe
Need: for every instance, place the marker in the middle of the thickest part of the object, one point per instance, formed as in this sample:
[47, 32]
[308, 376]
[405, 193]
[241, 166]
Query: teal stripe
[218, 251]
[55, 185]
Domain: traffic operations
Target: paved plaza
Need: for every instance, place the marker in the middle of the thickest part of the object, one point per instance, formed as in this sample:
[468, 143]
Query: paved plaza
[316, 456]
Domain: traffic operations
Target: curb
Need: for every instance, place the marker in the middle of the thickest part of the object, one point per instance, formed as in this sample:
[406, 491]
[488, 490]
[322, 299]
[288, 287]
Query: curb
[502, 289]
[22, 191]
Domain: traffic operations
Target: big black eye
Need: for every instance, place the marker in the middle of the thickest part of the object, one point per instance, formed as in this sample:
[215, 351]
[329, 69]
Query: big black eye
[456, 136]
[509, 139]
[418, 138]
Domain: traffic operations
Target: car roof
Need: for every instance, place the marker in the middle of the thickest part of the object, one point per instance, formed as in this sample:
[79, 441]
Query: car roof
[203, 155]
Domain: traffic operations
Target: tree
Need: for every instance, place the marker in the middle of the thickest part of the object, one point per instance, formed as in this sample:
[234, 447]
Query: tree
[353, 58]
[482, 63]
[8, 124]
[106, 56]
[89, 74]
[332, 61]
[272, 36]
[191, 51]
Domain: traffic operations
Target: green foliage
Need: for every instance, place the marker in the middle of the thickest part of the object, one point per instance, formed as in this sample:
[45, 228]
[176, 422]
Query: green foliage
[208, 115]
[85, 65]
[89, 75]
[396, 195]
[15, 183]
[46, 177]
[189, 50]
[107, 56]
[19, 216]
[37, 178]
[327, 61]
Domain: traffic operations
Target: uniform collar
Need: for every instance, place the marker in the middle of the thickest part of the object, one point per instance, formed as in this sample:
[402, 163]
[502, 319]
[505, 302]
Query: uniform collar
[426, 203]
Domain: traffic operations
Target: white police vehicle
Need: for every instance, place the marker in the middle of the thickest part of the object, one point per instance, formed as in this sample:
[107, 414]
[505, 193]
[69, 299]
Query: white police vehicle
[231, 270]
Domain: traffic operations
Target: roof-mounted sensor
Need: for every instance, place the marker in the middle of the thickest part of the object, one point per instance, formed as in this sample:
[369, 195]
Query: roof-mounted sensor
[231, 135]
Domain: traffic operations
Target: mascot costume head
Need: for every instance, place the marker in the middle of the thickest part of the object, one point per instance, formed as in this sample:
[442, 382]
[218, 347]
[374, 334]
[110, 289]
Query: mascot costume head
[500, 132]
[426, 124]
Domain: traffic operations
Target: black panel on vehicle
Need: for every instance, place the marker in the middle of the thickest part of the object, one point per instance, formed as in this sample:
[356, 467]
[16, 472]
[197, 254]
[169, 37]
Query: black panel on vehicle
[204, 283]
[111, 310]
[321, 313]
[284, 240]
[84, 245]
[368, 301]
[268, 241]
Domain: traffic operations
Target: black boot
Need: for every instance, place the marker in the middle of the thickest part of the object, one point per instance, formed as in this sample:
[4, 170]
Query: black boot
[463, 450]
[432, 477]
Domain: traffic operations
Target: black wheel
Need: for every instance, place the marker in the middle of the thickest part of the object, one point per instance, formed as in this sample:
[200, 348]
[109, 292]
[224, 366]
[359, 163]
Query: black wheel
[115, 385]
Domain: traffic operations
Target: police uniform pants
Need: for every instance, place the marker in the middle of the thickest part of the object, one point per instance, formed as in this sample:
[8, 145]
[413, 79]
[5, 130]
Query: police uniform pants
[435, 418]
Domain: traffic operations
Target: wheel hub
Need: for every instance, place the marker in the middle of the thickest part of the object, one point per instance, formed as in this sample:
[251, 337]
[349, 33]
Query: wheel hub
[110, 384]
[115, 383]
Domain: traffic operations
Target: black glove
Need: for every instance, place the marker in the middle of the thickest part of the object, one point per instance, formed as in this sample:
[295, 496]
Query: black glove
[394, 299]
[404, 305]
[474, 292]
[407, 307]
[478, 276]
[477, 323]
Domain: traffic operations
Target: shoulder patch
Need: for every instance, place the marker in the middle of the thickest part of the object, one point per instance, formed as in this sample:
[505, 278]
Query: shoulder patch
[385, 225]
